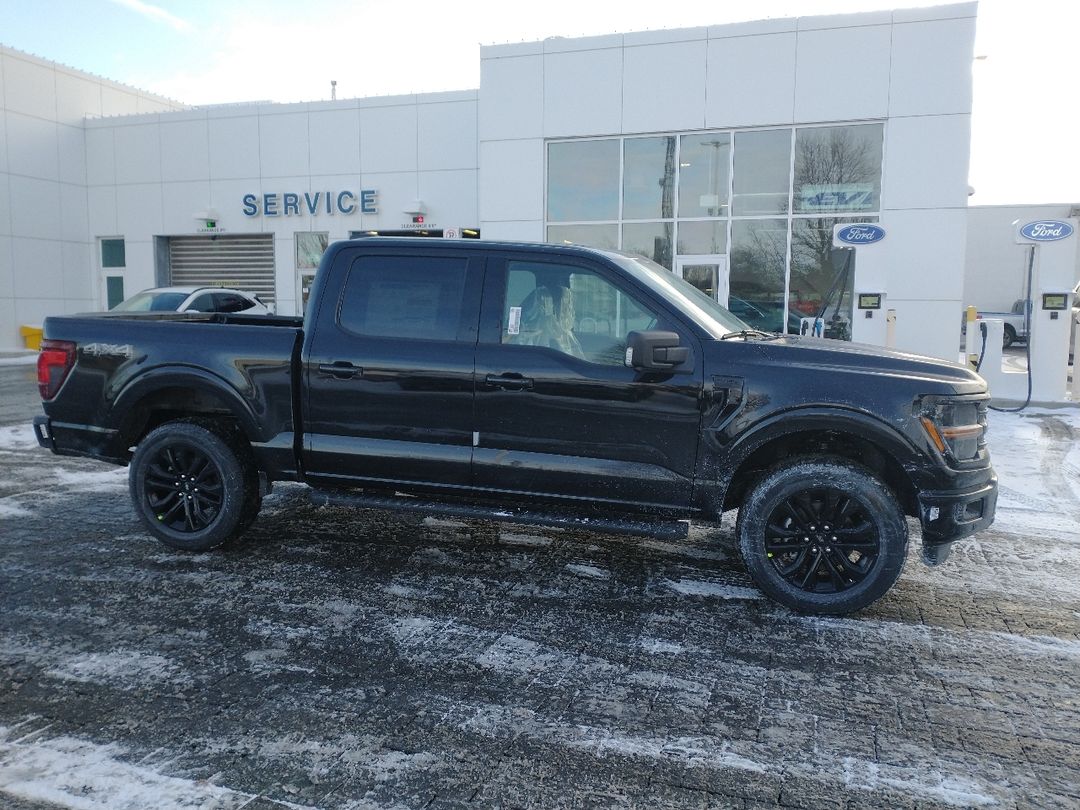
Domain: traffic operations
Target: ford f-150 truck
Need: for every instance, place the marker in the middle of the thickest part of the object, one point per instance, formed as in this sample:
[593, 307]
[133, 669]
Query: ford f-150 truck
[555, 385]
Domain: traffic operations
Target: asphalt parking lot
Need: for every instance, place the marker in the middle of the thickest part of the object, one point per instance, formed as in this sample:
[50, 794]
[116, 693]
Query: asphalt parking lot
[342, 659]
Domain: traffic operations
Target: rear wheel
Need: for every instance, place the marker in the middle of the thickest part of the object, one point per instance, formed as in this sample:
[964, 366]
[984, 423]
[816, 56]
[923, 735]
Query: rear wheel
[194, 484]
[822, 535]
[1008, 336]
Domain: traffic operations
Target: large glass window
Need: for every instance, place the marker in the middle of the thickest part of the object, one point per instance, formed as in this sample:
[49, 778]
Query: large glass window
[310, 247]
[401, 297]
[583, 180]
[649, 178]
[762, 174]
[649, 239]
[702, 237]
[703, 175]
[758, 262]
[597, 236]
[572, 310]
[838, 168]
[819, 272]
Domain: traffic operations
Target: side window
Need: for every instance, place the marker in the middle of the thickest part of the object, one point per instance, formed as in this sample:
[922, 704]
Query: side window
[404, 297]
[571, 309]
[203, 303]
[231, 302]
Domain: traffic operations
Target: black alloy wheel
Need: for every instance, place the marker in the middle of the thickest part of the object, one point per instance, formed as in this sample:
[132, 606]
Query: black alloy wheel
[194, 484]
[822, 534]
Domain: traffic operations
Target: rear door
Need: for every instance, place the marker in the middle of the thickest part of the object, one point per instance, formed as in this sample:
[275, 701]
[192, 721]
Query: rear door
[559, 416]
[389, 369]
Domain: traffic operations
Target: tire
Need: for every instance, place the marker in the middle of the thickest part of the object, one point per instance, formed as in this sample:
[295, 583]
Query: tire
[854, 516]
[194, 484]
[1008, 336]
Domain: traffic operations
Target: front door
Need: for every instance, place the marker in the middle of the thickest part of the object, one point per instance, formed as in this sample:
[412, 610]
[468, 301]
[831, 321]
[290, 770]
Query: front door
[558, 413]
[708, 273]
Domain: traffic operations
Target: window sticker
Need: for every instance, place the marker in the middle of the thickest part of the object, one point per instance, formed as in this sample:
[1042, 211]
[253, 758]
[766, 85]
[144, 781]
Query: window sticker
[513, 327]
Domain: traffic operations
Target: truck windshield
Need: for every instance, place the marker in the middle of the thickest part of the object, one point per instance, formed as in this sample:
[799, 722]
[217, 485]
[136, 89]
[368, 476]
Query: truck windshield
[709, 314]
[152, 302]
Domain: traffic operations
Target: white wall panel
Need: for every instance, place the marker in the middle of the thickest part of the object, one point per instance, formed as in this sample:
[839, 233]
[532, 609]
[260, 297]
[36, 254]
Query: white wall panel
[511, 98]
[447, 135]
[397, 190]
[931, 67]
[5, 204]
[34, 311]
[71, 143]
[923, 252]
[926, 162]
[226, 197]
[29, 88]
[842, 73]
[140, 273]
[283, 145]
[38, 266]
[35, 207]
[31, 146]
[100, 156]
[180, 202]
[138, 210]
[116, 101]
[138, 154]
[520, 231]
[9, 325]
[388, 139]
[511, 180]
[101, 205]
[74, 213]
[583, 92]
[78, 273]
[751, 81]
[76, 98]
[451, 196]
[234, 147]
[664, 87]
[7, 276]
[928, 327]
[185, 150]
[334, 141]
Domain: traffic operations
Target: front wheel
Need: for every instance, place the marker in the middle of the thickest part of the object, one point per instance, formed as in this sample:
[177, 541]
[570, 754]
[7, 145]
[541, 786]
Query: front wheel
[194, 488]
[822, 535]
[1008, 336]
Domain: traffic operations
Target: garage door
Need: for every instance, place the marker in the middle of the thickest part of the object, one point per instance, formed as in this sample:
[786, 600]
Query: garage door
[244, 262]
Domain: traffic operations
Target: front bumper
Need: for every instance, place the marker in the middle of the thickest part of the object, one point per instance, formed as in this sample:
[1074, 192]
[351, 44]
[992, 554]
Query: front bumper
[949, 515]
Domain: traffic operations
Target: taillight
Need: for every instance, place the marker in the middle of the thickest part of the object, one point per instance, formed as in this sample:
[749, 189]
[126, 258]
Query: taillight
[53, 364]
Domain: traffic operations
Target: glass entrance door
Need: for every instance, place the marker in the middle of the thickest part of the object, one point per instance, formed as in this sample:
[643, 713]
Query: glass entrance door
[708, 273]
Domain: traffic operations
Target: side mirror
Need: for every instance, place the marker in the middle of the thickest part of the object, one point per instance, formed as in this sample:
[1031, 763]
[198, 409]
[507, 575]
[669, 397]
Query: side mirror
[655, 351]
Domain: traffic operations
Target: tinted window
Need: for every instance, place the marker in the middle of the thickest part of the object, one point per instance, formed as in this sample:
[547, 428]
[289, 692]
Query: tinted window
[204, 303]
[152, 302]
[572, 310]
[231, 302]
[404, 297]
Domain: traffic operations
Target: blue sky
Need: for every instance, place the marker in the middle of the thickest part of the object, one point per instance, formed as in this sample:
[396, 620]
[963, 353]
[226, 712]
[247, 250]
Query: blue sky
[202, 52]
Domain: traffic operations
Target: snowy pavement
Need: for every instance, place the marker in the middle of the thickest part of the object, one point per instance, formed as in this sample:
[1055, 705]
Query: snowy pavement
[342, 659]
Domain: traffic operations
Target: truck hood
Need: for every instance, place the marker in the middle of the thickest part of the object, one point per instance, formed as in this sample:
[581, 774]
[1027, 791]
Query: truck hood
[840, 359]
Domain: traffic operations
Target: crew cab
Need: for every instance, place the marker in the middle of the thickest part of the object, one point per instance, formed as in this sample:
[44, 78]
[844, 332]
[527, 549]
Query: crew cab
[556, 385]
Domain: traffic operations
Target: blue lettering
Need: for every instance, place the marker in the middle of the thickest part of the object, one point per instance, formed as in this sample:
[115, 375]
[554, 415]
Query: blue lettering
[329, 203]
[251, 205]
[351, 207]
[291, 203]
[270, 202]
[368, 204]
[312, 203]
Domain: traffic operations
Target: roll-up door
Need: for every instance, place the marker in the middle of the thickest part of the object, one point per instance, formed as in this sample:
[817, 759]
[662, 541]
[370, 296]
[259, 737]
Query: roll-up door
[245, 262]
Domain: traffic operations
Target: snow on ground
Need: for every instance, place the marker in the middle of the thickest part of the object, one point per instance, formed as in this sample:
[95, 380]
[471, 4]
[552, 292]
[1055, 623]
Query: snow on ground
[19, 360]
[17, 437]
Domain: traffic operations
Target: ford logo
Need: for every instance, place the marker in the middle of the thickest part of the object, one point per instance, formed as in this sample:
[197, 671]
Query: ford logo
[860, 234]
[1047, 230]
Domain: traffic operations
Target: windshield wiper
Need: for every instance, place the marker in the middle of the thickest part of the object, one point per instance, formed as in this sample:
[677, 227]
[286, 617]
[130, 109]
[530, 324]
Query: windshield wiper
[751, 333]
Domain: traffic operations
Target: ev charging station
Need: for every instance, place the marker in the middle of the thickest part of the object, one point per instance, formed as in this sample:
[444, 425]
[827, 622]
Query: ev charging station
[1049, 270]
[857, 259]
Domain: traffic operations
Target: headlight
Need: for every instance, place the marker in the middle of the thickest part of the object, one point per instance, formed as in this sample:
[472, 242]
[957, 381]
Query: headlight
[957, 427]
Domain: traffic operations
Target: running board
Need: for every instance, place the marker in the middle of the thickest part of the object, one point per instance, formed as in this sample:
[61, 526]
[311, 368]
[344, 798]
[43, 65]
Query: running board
[661, 529]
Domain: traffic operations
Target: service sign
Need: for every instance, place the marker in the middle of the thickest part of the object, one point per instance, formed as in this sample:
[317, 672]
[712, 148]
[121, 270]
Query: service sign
[858, 233]
[1046, 230]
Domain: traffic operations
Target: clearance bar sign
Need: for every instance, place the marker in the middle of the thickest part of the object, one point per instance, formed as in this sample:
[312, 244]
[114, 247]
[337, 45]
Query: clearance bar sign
[292, 203]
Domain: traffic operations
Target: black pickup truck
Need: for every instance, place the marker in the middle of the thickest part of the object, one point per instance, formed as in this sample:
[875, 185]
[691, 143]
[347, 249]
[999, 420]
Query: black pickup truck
[556, 385]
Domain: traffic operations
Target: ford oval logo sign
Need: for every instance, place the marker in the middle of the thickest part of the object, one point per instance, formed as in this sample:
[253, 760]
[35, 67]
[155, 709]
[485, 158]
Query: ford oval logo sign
[1047, 230]
[862, 233]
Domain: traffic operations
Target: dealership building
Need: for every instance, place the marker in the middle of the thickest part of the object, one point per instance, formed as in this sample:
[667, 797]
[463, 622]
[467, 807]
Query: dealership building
[725, 153]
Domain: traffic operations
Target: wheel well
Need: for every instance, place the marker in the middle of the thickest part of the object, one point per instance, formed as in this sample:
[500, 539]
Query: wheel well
[168, 404]
[827, 442]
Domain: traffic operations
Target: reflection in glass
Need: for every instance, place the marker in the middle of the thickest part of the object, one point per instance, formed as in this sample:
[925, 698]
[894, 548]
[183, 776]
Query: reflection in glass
[310, 247]
[649, 239]
[598, 236]
[817, 272]
[762, 172]
[702, 276]
[703, 175]
[583, 180]
[838, 168]
[649, 178]
[757, 261]
[702, 237]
